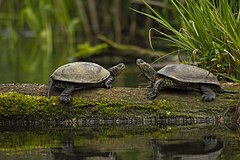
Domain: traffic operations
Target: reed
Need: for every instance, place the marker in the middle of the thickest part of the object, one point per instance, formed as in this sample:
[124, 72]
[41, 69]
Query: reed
[210, 34]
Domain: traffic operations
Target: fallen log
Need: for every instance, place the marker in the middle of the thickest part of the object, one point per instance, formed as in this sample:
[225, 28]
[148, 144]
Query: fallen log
[111, 48]
[127, 50]
[28, 102]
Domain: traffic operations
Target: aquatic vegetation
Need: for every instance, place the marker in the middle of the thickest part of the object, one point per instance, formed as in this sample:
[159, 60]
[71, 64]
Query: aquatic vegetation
[210, 34]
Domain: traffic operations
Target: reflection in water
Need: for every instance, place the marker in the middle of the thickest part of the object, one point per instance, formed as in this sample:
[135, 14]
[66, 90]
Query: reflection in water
[120, 142]
[207, 148]
[70, 152]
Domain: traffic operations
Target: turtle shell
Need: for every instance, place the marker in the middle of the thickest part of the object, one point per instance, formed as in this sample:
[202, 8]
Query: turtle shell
[188, 74]
[81, 72]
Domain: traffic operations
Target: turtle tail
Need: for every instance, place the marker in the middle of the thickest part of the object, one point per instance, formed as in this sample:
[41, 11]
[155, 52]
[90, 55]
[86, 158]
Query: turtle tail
[229, 91]
[51, 85]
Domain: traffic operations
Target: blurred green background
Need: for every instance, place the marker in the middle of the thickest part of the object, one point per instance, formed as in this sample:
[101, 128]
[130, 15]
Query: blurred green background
[38, 36]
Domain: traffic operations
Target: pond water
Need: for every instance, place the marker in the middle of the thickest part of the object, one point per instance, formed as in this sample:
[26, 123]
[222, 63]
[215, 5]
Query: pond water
[119, 142]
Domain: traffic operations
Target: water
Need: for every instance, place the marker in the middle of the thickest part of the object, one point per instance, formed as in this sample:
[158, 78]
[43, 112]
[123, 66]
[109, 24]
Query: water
[118, 142]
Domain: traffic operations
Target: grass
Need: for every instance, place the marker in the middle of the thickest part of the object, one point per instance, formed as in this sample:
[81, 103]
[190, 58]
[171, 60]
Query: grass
[210, 34]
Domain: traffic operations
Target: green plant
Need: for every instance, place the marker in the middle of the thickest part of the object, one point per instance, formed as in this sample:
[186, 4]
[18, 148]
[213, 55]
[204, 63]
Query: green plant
[210, 34]
[40, 24]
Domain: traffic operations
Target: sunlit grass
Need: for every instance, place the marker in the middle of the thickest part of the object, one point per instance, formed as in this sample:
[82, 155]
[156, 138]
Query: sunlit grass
[210, 34]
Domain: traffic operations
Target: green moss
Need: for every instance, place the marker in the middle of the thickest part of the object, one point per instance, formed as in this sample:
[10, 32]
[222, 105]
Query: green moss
[15, 106]
[19, 106]
[85, 50]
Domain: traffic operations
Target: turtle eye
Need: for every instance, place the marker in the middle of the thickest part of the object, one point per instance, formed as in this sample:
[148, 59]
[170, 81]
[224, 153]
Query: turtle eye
[141, 61]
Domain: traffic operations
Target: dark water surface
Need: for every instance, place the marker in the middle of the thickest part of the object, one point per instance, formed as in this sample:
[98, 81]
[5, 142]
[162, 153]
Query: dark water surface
[118, 142]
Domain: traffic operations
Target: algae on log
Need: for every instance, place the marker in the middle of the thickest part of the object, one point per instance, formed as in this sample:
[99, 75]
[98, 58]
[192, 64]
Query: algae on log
[29, 102]
[113, 49]
[126, 49]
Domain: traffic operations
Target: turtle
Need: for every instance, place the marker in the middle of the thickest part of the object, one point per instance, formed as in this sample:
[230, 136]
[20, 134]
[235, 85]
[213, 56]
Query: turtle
[183, 77]
[82, 75]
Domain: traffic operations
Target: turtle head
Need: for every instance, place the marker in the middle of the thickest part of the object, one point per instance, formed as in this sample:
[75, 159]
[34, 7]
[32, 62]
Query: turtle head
[116, 70]
[147, 70]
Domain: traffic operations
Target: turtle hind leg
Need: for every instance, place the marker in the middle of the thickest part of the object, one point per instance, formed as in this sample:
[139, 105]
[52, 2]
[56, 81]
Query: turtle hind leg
[156, 86]
[50, 87]
[208, 94]
[65, 96]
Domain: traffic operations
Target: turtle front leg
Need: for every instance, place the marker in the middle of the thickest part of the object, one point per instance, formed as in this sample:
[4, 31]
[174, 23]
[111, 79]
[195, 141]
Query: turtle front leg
[156, 86]
[108, 82]
[208, 94]
[65, 96]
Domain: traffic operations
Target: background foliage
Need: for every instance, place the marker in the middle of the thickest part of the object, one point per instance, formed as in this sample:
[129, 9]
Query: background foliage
[37, 36]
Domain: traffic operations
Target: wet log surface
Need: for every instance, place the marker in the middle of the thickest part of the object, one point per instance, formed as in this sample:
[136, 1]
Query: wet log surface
[29, 102]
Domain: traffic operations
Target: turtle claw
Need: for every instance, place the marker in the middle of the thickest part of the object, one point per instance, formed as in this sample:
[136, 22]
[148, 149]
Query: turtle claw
[108, 82]
[108, 86]
[207, 97]
[66, 98]
[152, 96]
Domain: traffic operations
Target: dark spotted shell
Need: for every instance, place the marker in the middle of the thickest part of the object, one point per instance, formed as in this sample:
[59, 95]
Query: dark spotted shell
[81, 72]
[189, 74]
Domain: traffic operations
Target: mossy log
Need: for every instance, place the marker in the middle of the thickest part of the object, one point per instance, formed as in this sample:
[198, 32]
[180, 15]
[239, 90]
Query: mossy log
[111, 48]
[130, 49]
[24, 102]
